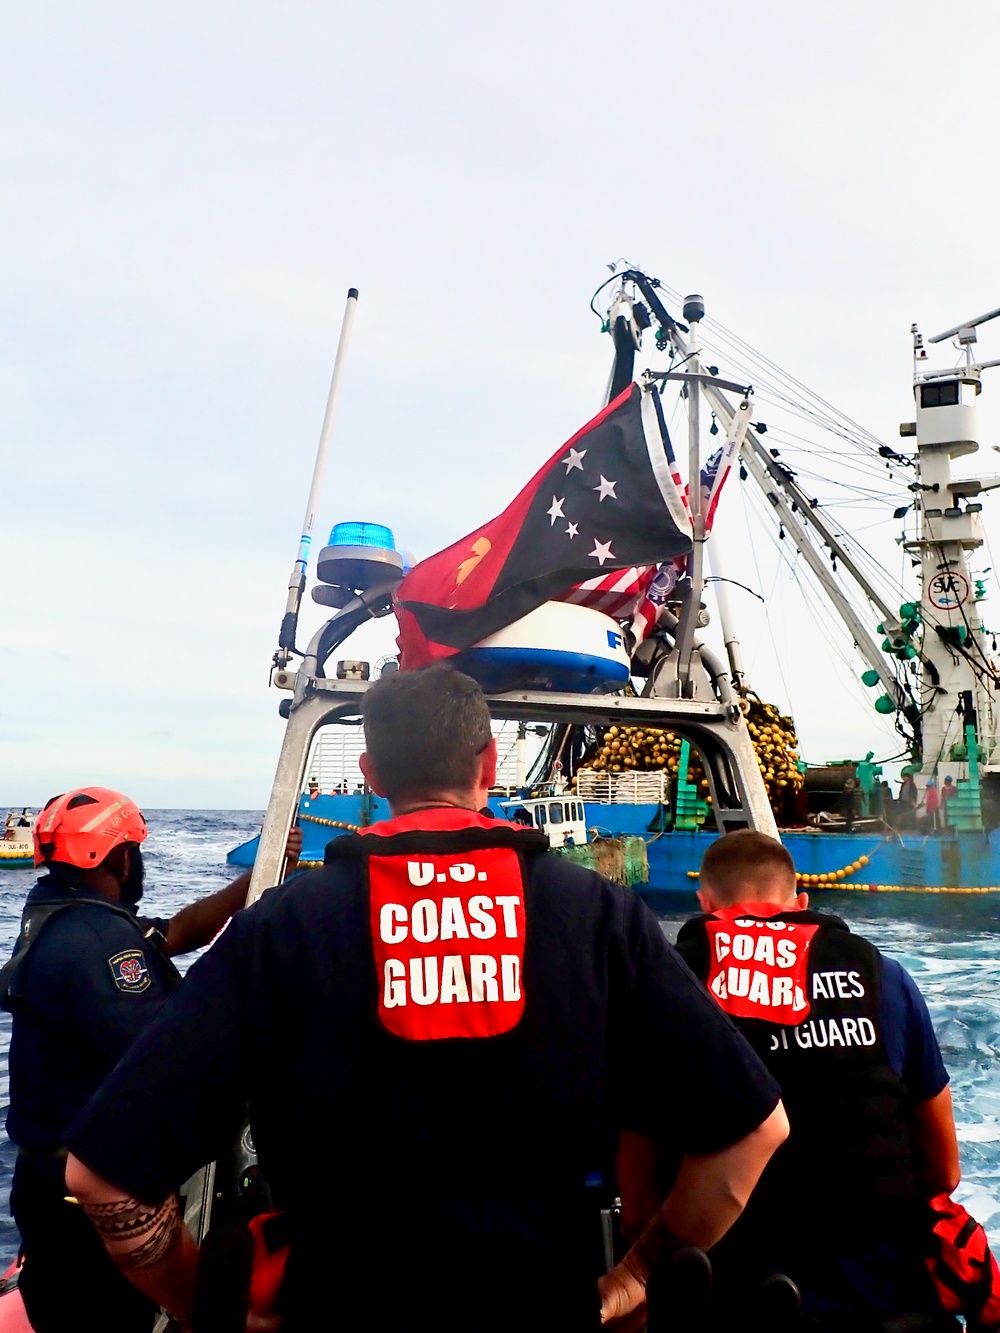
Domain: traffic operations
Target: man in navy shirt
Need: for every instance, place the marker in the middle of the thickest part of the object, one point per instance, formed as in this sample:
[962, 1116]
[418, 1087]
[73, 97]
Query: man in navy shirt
[441, 1036]
[847, 1035]
[87, 976]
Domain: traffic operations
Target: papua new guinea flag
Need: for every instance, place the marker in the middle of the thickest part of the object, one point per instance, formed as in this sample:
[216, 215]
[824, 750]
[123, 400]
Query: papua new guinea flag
[605, 501]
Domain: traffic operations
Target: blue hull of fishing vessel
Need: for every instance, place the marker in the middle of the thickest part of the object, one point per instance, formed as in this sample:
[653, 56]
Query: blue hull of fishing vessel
[941, 862]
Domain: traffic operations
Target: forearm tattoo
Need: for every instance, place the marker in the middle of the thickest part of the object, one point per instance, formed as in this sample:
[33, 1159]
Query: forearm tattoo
[136, 1235]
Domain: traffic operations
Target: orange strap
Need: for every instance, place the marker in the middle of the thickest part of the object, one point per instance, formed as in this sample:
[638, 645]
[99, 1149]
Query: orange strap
[270, 1255]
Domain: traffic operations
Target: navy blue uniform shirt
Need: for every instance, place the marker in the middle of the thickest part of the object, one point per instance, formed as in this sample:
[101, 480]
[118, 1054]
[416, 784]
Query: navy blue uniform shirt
[397, 1159]
[89, 985]
[911, 1045]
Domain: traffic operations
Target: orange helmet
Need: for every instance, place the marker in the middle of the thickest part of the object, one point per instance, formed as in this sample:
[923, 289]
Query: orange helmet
[81, 827]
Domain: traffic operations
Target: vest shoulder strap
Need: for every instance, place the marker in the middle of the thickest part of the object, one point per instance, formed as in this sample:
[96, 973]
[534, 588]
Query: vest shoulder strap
[38, 914]
[32, 920]
[351, 846]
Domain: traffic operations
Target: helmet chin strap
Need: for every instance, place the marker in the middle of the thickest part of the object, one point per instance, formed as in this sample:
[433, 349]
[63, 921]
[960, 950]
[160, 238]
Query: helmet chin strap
[132, 884]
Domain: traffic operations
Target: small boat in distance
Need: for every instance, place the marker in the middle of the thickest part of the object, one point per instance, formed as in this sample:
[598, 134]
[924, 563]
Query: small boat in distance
[16, 846]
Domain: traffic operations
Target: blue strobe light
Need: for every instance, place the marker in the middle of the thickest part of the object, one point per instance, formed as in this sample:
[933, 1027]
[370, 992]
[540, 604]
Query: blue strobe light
[359, 556]
[363, 534]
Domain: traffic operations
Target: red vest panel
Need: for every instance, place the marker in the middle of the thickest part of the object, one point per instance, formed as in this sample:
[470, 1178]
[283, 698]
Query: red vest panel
[448, 937]
[758, 968]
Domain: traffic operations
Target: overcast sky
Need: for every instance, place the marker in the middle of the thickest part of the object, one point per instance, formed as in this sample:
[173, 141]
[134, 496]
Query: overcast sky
[189, 189]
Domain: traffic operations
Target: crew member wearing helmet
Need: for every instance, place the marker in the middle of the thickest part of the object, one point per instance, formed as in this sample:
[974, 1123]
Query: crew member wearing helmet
[87, 975]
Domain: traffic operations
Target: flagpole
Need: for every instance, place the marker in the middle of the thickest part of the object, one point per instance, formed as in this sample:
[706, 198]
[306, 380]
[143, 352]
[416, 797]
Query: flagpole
[694, 310]
[297, 578]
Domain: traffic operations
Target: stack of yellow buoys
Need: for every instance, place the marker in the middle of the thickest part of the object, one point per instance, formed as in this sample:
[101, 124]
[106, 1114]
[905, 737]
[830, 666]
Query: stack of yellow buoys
[641, 749]
[829, 878]
[624, 749]
[776, 747]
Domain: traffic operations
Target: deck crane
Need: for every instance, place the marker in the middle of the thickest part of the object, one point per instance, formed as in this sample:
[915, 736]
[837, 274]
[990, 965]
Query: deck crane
[945, 700]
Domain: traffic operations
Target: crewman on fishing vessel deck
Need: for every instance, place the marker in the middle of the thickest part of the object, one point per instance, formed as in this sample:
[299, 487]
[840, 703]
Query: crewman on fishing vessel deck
[87, 975]
[848, 1037]
[441, 1035]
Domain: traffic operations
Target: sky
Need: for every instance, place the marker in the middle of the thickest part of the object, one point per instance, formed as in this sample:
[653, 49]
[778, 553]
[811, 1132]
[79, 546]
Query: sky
[190, 189]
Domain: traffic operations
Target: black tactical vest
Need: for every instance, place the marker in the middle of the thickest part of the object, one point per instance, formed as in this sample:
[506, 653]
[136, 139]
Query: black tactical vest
[847, 1167]
[41, 910]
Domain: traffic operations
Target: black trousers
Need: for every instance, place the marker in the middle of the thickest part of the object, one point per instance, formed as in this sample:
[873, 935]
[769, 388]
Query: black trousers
[68, 1283]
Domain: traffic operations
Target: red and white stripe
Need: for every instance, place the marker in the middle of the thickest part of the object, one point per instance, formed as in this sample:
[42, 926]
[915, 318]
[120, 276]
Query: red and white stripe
[618, 595]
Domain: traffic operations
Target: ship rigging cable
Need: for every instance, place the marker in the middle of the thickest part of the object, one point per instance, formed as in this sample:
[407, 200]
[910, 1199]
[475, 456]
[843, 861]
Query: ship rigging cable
[821, 621]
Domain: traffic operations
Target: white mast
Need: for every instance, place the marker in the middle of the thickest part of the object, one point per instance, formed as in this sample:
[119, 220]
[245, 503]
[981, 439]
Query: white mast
[694, 311]
[957, 666]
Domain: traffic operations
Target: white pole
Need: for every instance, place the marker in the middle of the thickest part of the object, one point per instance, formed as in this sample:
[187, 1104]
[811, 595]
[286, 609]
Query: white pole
[693, 311]
[297, 579]
[726, 621]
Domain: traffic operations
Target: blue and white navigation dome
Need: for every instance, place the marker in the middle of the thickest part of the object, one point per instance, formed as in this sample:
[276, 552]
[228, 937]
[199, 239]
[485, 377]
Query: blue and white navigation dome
[558, 646]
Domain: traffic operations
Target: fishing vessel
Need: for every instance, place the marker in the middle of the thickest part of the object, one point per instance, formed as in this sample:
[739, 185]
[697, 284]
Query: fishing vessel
[16, 849]
[632, 752]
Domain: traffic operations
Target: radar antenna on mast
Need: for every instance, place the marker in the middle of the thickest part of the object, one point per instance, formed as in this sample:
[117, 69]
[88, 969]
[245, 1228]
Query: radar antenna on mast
[965, 328]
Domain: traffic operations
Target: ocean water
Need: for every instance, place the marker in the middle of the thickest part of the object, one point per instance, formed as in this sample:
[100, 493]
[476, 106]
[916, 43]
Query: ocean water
[951, 945]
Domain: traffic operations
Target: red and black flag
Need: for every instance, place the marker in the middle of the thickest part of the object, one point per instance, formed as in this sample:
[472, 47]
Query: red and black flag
[604, 502]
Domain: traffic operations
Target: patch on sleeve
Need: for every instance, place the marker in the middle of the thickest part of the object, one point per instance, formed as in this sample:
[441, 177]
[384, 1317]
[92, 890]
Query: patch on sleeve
[129, 971]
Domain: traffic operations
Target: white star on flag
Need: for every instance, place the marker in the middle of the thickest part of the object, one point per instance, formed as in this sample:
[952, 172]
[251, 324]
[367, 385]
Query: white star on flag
[571, 531]
[602, 551]
[574, 459]
[606, 488]
[556, 510]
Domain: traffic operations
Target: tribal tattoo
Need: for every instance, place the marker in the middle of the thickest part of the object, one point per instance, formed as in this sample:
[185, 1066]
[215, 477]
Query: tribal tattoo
[136, 1235]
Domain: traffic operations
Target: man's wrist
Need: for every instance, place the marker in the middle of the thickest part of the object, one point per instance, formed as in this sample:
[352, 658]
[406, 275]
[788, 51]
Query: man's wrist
[636, 1267]
[648, 1251]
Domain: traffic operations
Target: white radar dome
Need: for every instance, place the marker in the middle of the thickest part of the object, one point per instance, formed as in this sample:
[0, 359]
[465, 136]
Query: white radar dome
[558, 646]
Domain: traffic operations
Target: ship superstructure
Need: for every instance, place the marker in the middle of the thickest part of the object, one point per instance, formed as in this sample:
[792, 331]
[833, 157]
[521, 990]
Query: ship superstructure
[955, 654]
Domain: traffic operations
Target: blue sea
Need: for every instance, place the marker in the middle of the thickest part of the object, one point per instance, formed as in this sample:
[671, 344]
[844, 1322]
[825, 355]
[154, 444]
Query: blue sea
[951, 945]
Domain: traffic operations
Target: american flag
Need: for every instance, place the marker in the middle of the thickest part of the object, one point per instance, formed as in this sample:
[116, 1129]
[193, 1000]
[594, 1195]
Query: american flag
[713, 478]
[618, 595]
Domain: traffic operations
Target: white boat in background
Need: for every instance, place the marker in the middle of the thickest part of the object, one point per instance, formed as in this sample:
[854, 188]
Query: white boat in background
[16, 846]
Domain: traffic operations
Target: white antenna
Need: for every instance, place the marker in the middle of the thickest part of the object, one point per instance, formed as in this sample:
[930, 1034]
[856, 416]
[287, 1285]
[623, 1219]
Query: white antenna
[297, 579]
